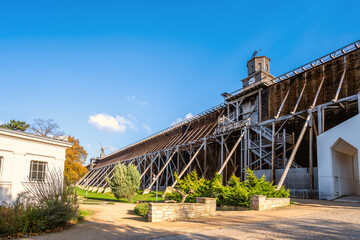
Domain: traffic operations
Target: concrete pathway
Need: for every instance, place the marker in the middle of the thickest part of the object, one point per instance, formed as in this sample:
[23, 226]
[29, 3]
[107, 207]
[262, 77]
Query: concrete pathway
[348, 199]
[302, 220]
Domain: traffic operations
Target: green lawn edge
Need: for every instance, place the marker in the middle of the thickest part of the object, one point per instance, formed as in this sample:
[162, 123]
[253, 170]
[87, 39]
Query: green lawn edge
[149, 197]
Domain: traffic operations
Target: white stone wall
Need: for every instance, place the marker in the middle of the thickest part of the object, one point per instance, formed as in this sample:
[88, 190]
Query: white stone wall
[338, 164]
[18, 150]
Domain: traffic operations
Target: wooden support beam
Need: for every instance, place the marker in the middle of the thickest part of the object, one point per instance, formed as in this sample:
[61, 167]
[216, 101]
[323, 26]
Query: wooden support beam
[293, 153]
[150, 166]
[282, 104]
[222, 152]
[273, 153]
[314, 126]
[205, 153]
[321, 116]
[340, 83]
[259, 105]
[231, 153]
[284, 146]
[311, 162]
[260, 150]
[296, 147]
[188, 165]
[299, 98]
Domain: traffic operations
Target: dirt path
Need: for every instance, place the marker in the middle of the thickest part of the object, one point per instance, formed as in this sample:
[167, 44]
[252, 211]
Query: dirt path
[118, 222]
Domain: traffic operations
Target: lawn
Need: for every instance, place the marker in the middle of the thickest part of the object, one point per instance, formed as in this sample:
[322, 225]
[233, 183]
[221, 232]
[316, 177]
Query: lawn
[149, 197]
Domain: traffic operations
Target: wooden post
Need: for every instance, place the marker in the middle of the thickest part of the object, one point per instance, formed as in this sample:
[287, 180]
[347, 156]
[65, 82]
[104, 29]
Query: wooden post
[241, 159]
[245, 151]
[358, 97]
[222, 154]
[260, 150]
[320, 120]
[205, 152]
[284, 147]
[273, 153]
[311, 153]
[259, 105]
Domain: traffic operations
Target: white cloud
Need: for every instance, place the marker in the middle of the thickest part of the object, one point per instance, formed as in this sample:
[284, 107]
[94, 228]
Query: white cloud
[187, 116]
[111, 124]
[147, 128]
[130, 116]
[133, 98]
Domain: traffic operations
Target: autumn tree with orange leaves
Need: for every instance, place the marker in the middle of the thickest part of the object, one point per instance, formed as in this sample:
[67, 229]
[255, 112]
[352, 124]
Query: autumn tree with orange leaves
[75, 158]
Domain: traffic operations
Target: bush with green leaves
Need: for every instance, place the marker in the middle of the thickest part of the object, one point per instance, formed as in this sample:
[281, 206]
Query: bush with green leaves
[44, 206]
[236, 193]
[125, 181]
[141, 209]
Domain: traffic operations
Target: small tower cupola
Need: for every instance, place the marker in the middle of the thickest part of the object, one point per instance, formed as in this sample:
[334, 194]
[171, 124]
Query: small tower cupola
[258, 63]
[258, 70]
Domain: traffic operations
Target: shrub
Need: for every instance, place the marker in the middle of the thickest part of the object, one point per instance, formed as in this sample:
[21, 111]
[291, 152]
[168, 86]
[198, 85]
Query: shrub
[237, 193]
[125, 182]
[46, 205]
[141, 209]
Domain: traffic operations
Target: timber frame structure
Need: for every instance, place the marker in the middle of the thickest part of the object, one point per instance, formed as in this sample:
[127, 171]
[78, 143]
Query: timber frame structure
[270, 124]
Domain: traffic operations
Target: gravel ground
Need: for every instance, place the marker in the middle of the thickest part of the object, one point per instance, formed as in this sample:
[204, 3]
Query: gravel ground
[306, 219]
[329, 224]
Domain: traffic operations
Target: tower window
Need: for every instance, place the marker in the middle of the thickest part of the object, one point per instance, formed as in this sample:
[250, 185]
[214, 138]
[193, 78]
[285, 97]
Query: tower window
[267, 67]
[259, 66]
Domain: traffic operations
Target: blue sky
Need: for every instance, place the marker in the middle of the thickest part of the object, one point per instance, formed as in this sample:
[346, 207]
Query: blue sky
[116, 72]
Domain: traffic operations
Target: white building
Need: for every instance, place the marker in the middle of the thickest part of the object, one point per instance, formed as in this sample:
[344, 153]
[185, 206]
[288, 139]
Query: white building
[338, 162]
[25, 156]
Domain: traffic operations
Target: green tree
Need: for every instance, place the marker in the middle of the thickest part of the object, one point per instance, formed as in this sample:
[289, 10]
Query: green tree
[16, 125]
[125, 181]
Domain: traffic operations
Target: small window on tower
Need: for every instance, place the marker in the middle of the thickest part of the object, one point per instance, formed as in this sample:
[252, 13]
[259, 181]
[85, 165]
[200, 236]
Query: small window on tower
[267, 67]
[259, 66]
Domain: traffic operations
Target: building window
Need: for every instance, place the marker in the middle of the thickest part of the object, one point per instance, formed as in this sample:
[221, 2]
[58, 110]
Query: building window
[259, 66]
[37, 170]
[267, 67]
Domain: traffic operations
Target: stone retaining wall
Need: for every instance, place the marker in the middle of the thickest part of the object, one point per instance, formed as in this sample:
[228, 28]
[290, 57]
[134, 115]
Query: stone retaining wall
[260, 202]
[169, 212]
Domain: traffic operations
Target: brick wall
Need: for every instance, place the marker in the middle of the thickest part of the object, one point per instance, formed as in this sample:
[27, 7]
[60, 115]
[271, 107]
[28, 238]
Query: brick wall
[260, 202]
[168, 212]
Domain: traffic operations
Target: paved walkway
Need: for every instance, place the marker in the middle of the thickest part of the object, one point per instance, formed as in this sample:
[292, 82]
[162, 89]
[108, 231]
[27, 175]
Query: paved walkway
[307, 219]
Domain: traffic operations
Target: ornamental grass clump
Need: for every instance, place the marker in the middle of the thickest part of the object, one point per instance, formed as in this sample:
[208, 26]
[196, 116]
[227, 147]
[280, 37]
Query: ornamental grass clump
[125, 181]
[44, 205]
